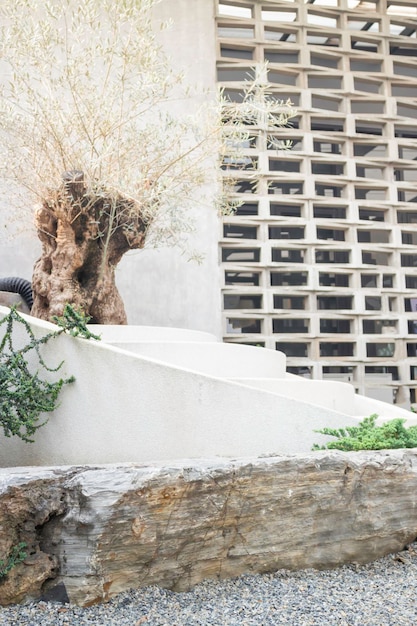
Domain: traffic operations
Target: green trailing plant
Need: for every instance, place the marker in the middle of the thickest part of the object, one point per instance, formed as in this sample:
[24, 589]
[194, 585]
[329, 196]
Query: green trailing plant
[17, 555]
[368, 436]
[75, 323]
[24, 394]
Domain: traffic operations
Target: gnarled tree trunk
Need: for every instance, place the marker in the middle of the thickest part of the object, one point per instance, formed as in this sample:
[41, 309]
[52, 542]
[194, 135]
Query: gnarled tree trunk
[84, 235]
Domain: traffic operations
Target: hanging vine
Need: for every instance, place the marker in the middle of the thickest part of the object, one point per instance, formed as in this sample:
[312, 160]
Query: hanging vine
[24, 395]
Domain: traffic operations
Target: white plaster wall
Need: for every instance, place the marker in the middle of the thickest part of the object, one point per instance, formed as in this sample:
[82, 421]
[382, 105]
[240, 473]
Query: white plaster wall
[131, 334]
[160, 287]
[19, 246]
[215, 359]
[330, 394]
[367, 405]
[248, 365]
[18, 257]
[124, 407]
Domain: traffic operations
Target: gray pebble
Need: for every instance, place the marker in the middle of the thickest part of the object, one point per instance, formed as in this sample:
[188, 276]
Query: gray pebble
[382, 593]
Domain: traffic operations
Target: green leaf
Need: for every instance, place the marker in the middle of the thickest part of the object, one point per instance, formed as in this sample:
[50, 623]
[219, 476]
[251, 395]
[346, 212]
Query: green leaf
[368, 436]
[24, 396]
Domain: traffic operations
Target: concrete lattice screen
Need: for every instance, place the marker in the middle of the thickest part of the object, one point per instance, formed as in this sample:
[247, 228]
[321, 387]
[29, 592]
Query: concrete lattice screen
[320, 261]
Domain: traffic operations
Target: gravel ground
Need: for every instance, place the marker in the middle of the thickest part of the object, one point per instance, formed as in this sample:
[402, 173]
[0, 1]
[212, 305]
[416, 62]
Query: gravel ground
[383, 593]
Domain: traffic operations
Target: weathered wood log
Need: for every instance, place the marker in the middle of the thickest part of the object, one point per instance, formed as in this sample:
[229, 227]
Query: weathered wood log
[96, 531]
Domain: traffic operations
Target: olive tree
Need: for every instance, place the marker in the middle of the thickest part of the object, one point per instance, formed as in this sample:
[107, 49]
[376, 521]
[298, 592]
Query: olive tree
[88, 138]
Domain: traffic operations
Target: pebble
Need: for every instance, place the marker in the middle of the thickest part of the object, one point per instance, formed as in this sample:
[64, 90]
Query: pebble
[382, 593]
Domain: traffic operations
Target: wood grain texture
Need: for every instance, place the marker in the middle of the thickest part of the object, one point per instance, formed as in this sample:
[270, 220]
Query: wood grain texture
[101, 530]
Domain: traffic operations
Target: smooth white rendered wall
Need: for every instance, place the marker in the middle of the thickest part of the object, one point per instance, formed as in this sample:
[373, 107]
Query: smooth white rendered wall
[19, 245]
[125, 407]
[160, 287]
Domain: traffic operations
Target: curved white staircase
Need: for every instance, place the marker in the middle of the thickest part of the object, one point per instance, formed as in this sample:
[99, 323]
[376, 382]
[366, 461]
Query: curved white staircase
[146, 394]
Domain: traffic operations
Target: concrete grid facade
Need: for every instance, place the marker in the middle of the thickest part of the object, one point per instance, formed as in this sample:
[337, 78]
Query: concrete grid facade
[320, 260]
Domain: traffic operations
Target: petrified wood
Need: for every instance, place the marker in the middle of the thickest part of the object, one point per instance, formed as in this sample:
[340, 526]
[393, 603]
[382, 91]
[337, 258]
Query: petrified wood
[94, 531]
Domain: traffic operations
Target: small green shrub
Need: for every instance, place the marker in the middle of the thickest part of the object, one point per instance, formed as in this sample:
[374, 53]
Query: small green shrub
[368, 436]
[17, 555]
[75, 323]
[24, 395]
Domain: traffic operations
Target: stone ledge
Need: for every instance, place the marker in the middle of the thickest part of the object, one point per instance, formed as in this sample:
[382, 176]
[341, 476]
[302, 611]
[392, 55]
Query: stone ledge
[94, 531]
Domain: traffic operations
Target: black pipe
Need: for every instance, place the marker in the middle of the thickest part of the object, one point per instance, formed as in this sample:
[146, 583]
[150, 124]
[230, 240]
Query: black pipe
[18, 285]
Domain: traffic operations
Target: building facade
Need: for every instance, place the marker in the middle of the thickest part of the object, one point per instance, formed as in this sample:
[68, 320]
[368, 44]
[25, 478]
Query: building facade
[320, 260]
